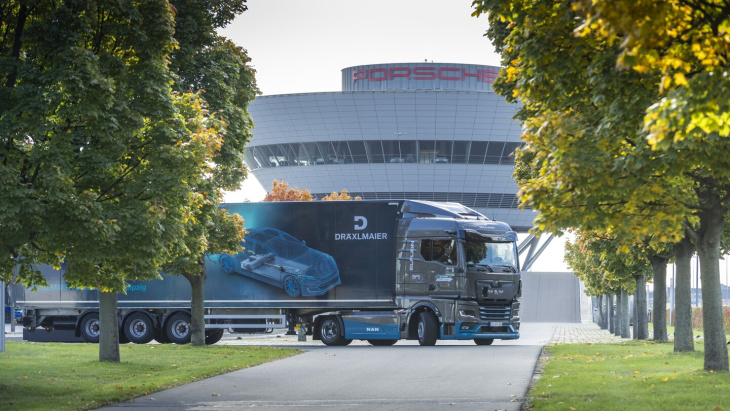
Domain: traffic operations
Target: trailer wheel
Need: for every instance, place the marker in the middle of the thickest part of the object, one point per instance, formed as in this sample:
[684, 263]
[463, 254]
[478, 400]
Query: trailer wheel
[139, 328]
[161, 336]
[382, 343]
[292, 286]
[178, 328]
[331, 332]
[213, 336]
[89, 328]
[427, 328]
[484, 341]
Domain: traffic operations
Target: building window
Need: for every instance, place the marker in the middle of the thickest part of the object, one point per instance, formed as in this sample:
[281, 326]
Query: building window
[461, 152]
[376, 152]
[477, 152]
[359, 153]
[494, 152]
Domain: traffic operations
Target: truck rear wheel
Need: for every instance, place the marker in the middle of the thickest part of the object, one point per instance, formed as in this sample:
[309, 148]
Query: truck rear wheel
[213, 336]
[89, 328]
[484, 341]
[427, 328]
[139, 328]
[178, 328]
[330, 332]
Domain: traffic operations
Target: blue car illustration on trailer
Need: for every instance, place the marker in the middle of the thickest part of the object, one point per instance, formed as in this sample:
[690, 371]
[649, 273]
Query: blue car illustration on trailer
[276, 258]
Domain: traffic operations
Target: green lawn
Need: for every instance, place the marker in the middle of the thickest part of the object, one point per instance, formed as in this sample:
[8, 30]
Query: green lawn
[635, 375]
[57, 376]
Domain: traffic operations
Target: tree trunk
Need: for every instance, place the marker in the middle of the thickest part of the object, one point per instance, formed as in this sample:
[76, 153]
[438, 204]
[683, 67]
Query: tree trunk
[659, 306]
[108, 327]
[617, 316]
[601, 313]
[625, 315]
[606, 311]
[611, 314]
[712, 220]
[641, 323]
[197, 307]
[683, 340]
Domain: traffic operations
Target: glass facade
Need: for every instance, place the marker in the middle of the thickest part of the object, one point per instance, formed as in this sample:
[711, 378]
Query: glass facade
[381, 151]
[474, 200]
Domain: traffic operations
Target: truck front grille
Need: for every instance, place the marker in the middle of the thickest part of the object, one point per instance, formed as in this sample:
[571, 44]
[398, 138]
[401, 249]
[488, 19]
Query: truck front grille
[494, 313]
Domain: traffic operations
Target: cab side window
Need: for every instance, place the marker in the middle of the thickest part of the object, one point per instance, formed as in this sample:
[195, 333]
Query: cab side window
[443, 251]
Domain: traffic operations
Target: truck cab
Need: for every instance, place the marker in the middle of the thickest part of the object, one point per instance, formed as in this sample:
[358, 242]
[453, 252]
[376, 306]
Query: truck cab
[457, 275]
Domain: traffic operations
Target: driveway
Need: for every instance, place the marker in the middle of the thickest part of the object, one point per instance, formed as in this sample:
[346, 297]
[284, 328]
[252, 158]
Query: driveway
[406, 376]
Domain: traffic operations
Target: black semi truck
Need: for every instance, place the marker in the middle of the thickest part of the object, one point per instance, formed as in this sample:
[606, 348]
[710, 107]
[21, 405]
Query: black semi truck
[379, 271]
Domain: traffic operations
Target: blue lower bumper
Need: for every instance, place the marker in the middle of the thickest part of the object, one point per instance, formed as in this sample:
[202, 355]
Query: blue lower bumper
[481, 331]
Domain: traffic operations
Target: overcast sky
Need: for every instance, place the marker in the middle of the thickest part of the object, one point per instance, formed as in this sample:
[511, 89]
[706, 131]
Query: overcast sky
[301, 46]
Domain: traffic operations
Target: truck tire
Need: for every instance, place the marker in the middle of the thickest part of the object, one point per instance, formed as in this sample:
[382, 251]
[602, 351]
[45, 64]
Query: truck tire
[428, 328]
[382, 343]
[484, 341]
[139, 328]
[89, 327]
[161, 336]
[177, 328]
[228, 263]
[213, 336]
[292, 286]
[330, 332]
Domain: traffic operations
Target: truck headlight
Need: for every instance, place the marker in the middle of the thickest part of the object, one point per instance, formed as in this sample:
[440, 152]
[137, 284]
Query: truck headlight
[468, 313]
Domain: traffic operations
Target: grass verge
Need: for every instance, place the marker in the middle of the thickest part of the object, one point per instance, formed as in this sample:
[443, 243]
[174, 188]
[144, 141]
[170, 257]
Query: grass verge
[635, 375]
[56, 376]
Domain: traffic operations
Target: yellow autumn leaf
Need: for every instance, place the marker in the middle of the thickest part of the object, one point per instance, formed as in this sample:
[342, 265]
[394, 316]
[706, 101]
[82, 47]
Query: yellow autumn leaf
[665, 379]
[679, 79]
[666, 82]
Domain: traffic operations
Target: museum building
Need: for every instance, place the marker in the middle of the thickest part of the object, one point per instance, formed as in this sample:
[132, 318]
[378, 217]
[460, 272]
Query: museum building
[428, 131]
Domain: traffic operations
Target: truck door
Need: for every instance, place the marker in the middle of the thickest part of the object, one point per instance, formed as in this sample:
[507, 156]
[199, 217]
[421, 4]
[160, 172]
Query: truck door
[440, 263]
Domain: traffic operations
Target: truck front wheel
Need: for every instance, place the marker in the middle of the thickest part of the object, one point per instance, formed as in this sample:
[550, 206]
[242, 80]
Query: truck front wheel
[427, 328]
[330, 332]
[89, 328]
[178, 328]
[139, 328]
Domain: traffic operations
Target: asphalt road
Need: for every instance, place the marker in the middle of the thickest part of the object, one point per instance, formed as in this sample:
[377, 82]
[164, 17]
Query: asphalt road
[406, 376]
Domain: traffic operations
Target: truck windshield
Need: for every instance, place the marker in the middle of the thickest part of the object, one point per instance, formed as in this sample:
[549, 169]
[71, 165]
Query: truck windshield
[491, 254]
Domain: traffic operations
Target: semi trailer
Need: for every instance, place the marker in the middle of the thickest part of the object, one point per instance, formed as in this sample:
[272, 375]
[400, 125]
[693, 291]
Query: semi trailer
[380, 271]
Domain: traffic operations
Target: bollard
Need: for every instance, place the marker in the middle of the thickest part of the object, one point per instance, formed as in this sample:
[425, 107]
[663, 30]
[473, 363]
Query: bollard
[301, 334]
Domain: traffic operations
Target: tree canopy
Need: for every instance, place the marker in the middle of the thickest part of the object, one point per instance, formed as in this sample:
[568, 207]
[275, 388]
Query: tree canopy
[342, 195]
[637, 152]
[217, 71]
[281, 192]
[94, 156]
